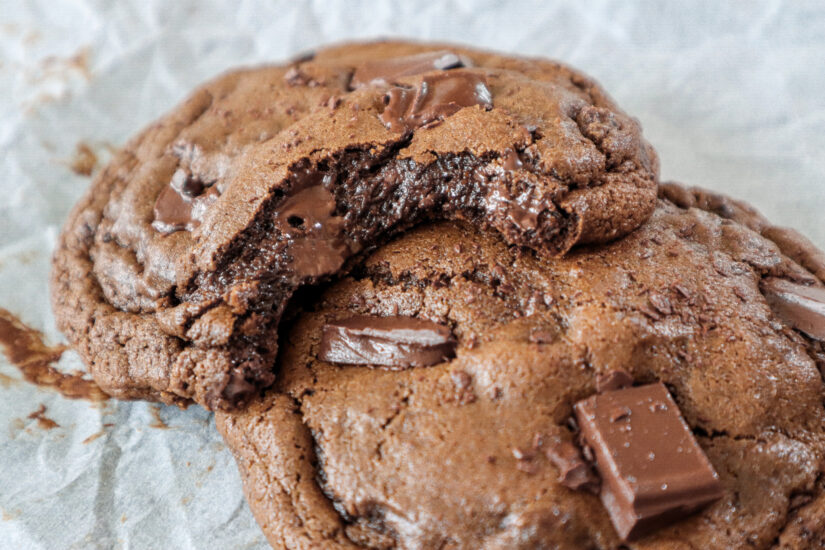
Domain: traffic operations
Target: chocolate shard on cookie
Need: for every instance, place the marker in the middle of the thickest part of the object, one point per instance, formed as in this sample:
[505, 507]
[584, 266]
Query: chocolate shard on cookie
[574, 472]
[653, 470]
[388, 71]
[801, 306]
[392, 342]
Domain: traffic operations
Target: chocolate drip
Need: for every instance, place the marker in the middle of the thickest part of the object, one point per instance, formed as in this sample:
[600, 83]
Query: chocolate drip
[308, 222]
[392, 342]
[24, 348]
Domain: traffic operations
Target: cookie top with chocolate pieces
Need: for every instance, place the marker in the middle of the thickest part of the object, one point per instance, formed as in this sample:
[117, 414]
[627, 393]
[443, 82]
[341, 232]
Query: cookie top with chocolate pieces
[173, 271]
[480, 450]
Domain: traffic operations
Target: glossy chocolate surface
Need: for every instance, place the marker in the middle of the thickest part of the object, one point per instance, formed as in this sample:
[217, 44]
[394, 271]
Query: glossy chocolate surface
[653, 471]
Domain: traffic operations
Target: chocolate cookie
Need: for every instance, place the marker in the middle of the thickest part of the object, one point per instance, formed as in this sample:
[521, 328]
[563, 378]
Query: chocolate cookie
[173, 271]
[643, 394]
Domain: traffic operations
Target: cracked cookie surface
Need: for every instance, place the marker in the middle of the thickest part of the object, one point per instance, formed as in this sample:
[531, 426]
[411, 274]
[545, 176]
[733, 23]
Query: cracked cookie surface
[455, 455]
[173, 271]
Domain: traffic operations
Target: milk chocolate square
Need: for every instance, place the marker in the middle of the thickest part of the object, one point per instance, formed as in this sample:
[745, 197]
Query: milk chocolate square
[653, 471]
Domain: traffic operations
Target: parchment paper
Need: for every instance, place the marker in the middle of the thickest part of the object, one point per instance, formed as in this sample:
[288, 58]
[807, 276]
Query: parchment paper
[731, 94]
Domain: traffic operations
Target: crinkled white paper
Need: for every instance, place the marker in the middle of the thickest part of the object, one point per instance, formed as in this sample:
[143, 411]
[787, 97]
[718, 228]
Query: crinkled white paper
[731, 94]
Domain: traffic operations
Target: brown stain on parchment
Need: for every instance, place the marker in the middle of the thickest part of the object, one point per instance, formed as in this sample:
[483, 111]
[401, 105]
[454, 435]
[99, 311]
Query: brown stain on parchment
[7, 381]
[60, 70]
[24, 347]
[80, 61]
[84, 161]
[10, 515]
[64, 66]
[43, 421]
[94, 437]
[17, 425]
[158, 421]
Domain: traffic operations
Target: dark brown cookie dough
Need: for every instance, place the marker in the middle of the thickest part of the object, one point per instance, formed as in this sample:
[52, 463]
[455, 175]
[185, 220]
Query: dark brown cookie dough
[173, 271]
[475, 452]
[792, 243]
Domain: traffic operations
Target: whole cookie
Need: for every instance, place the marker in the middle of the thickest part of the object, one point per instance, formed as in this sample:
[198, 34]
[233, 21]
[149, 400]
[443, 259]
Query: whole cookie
[477, 450]
[173, 271]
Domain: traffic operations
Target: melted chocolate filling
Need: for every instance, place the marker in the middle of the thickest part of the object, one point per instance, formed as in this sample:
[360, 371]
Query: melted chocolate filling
[435, 98]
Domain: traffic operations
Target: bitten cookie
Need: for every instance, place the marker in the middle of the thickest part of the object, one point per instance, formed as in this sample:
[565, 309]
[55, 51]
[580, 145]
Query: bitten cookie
[173, 271]
[539, 381]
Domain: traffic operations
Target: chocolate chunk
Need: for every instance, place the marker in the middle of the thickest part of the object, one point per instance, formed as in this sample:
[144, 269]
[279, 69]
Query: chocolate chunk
[574, 472]
[182, 203]
[613, 380]
[394, 342]
[436, 97]
[389, 70]
[653, 471]
[802, 307]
